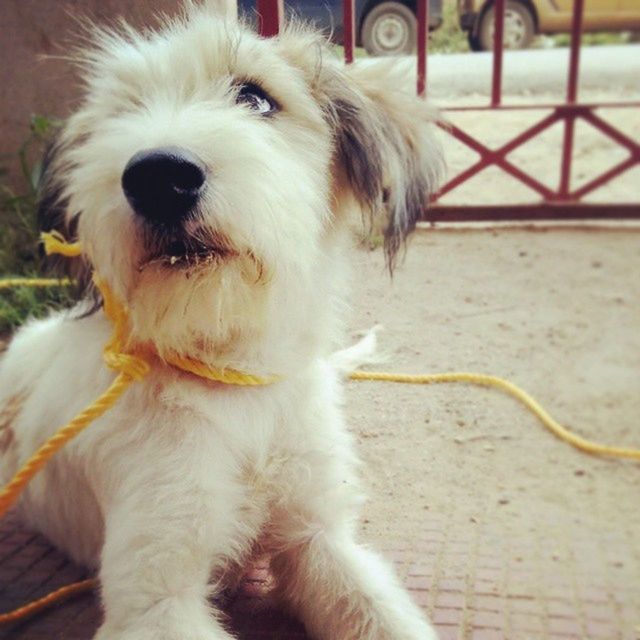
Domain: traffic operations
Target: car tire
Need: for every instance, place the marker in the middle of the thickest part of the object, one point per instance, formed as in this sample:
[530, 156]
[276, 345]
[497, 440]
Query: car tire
[474, 42]
[389, 29]
[519, 27]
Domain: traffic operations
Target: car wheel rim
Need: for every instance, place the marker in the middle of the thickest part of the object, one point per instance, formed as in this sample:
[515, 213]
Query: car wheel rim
[390, 33]
[515, 30]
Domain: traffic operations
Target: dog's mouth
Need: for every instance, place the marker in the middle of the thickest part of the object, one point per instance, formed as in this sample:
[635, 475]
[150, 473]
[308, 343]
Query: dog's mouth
[189, 253]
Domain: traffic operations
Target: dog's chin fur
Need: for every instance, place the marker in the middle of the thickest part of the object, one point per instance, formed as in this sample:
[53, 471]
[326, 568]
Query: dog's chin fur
[182, 479]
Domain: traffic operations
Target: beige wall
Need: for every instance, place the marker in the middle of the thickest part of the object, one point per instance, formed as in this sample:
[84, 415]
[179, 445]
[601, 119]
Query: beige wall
[32, 80]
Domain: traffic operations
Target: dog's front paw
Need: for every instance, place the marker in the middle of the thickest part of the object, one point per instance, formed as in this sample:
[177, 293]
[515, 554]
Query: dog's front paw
[162, 632]
[170, 619]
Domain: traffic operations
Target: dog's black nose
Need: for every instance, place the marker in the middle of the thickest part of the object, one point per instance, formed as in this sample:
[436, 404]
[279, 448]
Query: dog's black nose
[163, 185]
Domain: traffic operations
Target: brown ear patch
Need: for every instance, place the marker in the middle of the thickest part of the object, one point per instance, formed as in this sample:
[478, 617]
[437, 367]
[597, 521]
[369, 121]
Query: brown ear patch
[384, 148]
[358, 150]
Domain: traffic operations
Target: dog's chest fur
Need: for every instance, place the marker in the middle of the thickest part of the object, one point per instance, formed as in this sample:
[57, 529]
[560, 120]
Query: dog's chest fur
[238, 456]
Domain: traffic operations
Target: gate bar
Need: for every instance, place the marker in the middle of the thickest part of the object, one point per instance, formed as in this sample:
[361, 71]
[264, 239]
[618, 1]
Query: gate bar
[572, 94]
[270, 14]
[574, 56]
[498, 50]
[349, 30]
[423, 46]
[531, 212]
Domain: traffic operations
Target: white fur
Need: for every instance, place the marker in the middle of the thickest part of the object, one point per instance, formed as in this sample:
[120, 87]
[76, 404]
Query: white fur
[183, 479]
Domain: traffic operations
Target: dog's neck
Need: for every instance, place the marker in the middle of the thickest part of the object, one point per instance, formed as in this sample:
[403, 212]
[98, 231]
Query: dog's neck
[119, 344]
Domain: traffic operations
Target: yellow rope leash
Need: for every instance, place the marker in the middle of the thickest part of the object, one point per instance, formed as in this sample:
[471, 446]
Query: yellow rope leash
[227, 376]
[519, 394]
[12, 283]
[131, 367]
[55, 597]
[39, 459]
[55, 243]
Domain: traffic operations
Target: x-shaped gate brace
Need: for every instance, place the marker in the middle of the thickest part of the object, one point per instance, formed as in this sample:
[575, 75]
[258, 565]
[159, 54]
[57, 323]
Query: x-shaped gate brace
[564, 196]
[570, 113]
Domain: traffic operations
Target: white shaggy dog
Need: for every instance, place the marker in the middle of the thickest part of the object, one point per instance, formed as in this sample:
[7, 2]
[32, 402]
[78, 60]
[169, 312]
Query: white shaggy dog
[210, 176]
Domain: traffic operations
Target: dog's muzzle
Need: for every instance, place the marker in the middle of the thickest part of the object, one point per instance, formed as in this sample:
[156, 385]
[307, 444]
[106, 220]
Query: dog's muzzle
[164, 185]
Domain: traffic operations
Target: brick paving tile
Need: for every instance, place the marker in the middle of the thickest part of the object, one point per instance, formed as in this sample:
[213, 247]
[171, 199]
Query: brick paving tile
[522, 589]
[419, 582]
[489, 574]
[525, 622]
[593, 594]
[448, 632]
[447, 616]
[566, 626]
[488, 619]
[489, 563]
[487, 588]
[487, 634]
[629, 611]
[598, 629]
[489, 603]
[600, 611]
[421, 598]
[560, 608]
[452, 584]
[418, 569]
[525, 605]
[430, 547]
[451, 600]
[559, 590]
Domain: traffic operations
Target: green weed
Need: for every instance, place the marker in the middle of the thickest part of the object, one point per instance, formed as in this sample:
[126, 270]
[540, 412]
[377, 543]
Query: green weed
[20, 255]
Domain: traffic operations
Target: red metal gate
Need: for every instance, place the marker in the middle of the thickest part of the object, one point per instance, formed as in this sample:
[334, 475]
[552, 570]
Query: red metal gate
[561, 203]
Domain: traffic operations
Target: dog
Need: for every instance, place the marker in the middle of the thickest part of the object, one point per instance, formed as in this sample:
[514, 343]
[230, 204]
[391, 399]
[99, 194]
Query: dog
[213, 178]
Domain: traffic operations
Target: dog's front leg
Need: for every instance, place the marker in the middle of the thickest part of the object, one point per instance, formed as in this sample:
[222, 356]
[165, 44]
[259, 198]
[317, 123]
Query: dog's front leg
[163, 536]
[342, 591]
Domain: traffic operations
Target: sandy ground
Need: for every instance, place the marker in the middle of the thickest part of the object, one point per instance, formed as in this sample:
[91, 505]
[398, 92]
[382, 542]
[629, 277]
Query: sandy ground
[555, 311]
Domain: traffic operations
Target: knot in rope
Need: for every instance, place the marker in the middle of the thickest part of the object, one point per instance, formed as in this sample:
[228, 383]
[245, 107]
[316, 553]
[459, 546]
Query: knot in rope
[133, 366]
[116, 355]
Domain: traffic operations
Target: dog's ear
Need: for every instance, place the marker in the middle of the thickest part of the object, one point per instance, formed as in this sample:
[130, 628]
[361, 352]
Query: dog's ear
[53, 215]
[384, 147]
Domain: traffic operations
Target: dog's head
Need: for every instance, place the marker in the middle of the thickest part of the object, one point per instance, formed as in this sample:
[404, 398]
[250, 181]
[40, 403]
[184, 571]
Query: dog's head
[209, 173]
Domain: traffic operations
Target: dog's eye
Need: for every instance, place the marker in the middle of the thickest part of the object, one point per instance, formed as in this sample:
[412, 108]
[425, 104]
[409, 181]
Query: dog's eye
[256, 99]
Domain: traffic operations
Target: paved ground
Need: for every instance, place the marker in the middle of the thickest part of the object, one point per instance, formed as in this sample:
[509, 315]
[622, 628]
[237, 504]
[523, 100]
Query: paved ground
[499, 530]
